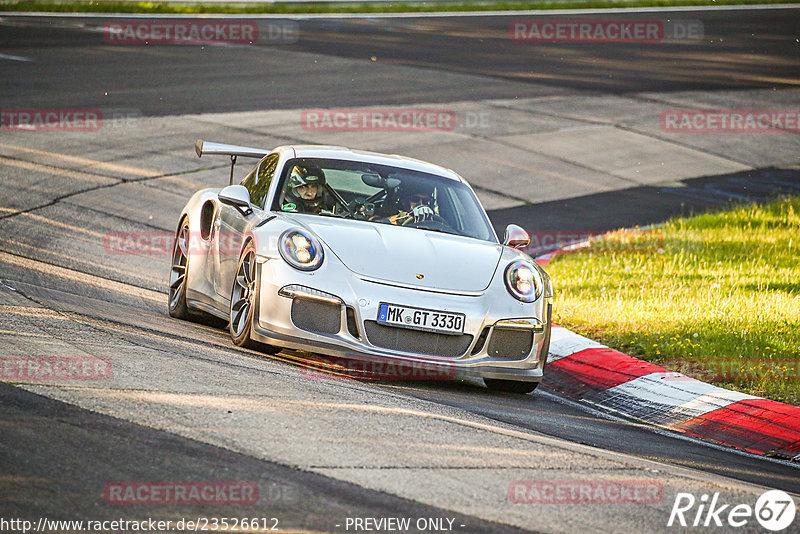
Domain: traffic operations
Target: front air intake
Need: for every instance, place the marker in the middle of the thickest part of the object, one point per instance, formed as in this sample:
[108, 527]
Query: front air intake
[316, 316]
[510, 344]
[417, 341]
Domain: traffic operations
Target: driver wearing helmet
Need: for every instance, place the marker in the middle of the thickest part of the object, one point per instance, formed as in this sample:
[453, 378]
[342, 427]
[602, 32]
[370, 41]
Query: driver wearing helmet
[415, 205]
[305, 190]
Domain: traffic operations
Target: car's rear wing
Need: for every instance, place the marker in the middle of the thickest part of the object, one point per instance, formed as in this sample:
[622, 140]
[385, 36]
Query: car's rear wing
[233, 151]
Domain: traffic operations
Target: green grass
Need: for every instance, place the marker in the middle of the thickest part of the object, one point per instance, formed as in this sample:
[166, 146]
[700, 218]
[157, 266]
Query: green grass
[715, 296]
[106, 6]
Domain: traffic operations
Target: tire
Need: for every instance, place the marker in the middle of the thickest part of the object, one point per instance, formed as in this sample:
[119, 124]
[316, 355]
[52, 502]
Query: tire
[510, 386]
[244, 299]
[178, 272]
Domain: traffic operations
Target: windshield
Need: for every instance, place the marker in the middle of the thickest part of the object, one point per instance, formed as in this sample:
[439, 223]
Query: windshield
[381, 194]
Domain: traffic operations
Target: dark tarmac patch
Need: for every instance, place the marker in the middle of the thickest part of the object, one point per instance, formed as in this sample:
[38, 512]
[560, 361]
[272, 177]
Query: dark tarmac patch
[652, 204]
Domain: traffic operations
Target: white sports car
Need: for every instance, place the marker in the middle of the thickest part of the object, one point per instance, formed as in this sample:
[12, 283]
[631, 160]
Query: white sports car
[363, 256]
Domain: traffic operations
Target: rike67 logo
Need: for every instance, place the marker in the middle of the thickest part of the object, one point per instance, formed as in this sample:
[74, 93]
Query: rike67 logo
[774, 510]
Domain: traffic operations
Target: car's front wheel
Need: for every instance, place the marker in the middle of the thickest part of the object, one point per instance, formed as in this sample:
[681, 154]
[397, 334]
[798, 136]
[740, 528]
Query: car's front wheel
[243, 302]
[243, 296]
[177, 275]
[510, 386]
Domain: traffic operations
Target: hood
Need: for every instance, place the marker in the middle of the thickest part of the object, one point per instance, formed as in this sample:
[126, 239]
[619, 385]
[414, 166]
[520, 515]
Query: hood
[399, 254]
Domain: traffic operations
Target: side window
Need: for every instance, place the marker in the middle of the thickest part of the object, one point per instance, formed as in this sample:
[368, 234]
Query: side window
[258, 181]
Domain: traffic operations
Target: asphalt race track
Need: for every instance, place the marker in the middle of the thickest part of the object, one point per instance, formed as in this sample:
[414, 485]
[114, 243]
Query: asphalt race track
[553, 136]
[751, 49]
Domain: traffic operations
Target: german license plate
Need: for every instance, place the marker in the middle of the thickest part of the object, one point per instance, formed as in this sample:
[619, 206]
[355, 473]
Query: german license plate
[441, 322]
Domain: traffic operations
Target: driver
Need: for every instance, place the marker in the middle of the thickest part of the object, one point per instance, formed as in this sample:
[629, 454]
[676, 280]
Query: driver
[415, 205]
[306, 191]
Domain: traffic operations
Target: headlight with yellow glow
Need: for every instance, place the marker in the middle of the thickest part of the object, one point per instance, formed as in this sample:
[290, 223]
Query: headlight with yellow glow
[523, 281]
[300, 250]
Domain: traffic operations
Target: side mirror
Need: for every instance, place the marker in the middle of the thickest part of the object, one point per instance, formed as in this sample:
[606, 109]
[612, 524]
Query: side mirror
[237, 196]
[516, 237]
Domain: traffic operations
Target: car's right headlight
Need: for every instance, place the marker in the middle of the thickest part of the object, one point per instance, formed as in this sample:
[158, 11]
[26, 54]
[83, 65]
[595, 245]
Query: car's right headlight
[523, 281]
[301, 250]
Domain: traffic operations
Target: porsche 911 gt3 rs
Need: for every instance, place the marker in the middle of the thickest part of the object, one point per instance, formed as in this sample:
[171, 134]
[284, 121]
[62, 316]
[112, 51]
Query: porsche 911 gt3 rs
[364, 256]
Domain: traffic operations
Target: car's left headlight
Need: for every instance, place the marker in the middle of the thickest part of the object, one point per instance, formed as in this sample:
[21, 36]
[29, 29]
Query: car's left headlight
[523, 281]
[301, 250]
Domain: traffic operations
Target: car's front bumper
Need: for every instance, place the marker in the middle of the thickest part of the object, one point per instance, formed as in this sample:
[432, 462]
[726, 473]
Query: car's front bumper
[335, 315]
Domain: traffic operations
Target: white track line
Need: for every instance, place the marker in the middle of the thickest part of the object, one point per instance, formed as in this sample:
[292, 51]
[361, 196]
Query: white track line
[15, 58]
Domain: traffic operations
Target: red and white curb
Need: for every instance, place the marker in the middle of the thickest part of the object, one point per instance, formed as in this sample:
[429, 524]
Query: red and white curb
[592, 373]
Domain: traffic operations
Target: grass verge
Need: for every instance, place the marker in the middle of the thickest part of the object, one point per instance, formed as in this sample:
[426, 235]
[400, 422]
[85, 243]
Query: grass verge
[107, 6]
[715, 296]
